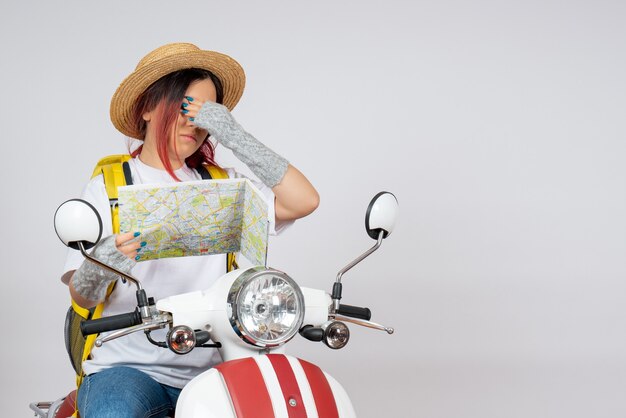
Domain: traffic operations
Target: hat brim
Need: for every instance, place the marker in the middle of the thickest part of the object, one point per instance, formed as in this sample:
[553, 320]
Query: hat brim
[229, 72]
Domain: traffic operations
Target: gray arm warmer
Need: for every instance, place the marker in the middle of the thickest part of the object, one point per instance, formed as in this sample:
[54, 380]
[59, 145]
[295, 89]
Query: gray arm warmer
[91, 281]
[268, 166]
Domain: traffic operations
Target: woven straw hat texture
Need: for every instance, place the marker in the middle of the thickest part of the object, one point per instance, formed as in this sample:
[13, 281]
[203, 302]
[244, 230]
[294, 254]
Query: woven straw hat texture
[167, 59]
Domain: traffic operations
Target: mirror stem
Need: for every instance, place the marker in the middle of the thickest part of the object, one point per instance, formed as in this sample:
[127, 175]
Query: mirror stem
[106, 267]
[337, 286]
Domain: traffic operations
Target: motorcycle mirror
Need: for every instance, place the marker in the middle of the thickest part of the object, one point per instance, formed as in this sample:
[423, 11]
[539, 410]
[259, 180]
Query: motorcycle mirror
[380, 219]
[78, 221]
[381, 214]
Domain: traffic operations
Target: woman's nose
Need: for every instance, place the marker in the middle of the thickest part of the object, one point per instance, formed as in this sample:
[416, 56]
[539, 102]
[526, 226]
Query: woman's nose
[187, 121]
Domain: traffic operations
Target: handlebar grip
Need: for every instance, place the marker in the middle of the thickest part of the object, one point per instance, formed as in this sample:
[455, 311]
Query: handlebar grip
[355, 312]
[110, 323]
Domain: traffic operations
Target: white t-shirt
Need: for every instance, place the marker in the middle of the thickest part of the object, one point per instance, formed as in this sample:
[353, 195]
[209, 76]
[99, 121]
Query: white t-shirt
[161, 278]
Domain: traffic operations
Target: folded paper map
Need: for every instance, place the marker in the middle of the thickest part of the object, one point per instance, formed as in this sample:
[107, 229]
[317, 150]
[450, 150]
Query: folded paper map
[197, 218]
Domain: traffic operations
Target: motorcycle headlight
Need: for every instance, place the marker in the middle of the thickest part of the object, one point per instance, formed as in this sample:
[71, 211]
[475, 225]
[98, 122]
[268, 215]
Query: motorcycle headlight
[266, 307]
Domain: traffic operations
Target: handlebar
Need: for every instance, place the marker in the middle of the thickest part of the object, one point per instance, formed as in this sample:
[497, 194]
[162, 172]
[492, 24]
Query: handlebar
[355, 312]
[110, 323]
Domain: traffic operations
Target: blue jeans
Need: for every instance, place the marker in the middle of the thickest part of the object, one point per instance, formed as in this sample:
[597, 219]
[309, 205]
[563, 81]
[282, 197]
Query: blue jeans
[124, 392]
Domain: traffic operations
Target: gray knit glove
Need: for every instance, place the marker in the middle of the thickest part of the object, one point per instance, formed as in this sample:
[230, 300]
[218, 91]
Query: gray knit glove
[268, 166]
[91, 281]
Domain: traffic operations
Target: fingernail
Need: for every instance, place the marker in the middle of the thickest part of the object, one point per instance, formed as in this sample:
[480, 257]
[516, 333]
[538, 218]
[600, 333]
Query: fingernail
[137, 258]
[189, 98]
[138, 249]
[191, 118]
[185, 111]
[136, 234]
[185, 104]
[143, 243]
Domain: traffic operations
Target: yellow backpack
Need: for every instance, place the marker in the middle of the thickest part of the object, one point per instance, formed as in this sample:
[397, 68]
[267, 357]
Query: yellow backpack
[116, 172]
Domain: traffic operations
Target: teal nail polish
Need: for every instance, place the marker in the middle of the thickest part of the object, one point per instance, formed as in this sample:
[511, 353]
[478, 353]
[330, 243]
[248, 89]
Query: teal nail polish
[144, 243]
[191, 118]
[185, 104]
[138, 249]
[136, 234]
[185, 111]
[137, 258]
[189, 98]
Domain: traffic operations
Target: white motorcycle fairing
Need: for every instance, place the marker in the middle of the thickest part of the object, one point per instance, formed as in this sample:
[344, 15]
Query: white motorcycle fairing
[207, 310]
[267, 386]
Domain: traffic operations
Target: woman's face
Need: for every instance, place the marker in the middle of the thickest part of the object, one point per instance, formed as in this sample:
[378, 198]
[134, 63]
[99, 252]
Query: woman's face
[187, 137]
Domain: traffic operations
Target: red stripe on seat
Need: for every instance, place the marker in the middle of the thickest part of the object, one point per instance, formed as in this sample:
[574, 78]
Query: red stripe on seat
[247, 388]
[322, 393]
[289, 385]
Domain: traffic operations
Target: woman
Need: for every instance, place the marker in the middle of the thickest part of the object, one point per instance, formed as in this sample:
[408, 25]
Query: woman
[176, 99]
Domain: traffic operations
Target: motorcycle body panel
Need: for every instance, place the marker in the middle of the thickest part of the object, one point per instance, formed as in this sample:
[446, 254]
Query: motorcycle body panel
[206, 310]
[273, 385]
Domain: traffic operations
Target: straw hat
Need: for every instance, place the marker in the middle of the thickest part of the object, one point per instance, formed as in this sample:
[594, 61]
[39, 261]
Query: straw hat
[167, 59]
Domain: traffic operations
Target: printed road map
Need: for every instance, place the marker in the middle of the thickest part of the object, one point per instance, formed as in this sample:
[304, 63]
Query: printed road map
[197, 218]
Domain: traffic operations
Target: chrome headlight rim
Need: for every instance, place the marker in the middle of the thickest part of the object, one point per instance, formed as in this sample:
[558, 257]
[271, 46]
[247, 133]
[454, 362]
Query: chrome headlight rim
[233, 300]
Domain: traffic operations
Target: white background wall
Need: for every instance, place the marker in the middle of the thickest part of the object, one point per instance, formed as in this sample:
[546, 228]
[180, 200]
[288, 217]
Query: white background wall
[499, 125]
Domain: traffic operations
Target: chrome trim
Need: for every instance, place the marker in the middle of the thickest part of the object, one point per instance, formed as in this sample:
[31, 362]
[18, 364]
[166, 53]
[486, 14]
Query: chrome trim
[360, 258]
[112, 269]
[158, 322]
[186, 329]
[233, 304]
[327, 327]
[368, 324]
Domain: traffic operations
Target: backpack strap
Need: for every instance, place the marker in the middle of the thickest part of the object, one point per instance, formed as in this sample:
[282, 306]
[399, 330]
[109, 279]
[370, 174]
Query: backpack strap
[116, 172]
[212, 172]
[204, 172]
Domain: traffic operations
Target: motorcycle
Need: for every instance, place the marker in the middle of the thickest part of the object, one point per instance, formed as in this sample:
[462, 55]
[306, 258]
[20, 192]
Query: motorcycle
[248, 315]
